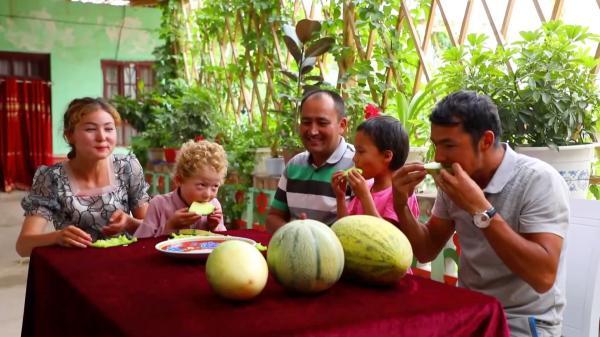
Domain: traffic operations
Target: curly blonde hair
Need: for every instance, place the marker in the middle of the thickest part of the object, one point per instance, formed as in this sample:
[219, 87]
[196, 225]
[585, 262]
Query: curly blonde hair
[196, 156]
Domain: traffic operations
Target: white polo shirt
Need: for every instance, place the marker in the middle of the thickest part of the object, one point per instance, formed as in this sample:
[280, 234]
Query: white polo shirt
[532, 197]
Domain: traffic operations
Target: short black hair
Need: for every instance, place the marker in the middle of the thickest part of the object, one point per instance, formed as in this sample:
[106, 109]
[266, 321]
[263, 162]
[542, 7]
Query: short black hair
[475, 112]
[388, 134]
[338, 101]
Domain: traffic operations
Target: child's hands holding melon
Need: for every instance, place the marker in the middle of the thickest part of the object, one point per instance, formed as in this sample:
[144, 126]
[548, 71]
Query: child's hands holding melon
[339, 183]
[182, 218]
[214, 218]
[357, 182]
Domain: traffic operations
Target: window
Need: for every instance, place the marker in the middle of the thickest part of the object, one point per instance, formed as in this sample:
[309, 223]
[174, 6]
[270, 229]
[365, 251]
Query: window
[128, 79]
[125, 78]
[25, 66]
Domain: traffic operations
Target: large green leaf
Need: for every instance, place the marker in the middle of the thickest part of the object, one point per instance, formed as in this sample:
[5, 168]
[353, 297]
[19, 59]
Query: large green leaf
[293, 48]
[306, 28]
[320, 47]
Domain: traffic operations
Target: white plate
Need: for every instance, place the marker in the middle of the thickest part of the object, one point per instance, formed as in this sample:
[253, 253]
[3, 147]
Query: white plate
[197, 247]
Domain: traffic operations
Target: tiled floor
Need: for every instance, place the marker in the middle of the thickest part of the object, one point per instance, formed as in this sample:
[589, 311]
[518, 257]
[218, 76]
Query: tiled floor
[13, 270]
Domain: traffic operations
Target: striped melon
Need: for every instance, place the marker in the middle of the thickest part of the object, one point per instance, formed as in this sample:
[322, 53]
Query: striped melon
[375, 251]
[305, 256]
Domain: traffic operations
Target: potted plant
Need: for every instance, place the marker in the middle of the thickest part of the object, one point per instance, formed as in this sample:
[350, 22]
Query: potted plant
[557, 101]
[412, 111]
[305, 46]
[548, 104]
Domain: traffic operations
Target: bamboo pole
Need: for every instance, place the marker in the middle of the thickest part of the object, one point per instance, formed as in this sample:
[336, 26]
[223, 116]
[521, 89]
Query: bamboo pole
[507, 17]
[425, 43]
[464, 27]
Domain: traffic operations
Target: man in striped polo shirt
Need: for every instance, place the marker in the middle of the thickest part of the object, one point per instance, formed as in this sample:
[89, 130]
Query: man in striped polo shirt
[304, 190]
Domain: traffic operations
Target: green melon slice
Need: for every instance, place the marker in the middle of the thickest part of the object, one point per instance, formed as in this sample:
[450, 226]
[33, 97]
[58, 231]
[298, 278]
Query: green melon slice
[434, 168]
[190, 232]
[121, 240]
[346, 172]
[202, 208]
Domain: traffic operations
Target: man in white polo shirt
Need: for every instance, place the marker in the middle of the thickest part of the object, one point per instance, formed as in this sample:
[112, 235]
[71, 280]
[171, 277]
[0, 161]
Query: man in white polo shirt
[510, 212]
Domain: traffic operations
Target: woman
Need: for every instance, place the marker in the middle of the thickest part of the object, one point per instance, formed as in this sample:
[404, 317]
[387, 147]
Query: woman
[92, 195]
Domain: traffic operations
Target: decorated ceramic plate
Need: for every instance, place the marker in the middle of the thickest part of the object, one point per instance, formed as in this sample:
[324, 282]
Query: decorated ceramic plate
[195, 247]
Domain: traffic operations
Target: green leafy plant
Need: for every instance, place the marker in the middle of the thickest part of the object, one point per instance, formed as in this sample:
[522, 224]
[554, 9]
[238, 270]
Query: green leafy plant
[170, 118]
[305, 46]
[413, 111]
[547, 97]
[557, 97]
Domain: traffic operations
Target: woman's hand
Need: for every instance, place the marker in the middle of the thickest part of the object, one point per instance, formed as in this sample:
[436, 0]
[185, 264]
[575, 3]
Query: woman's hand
[338, 182]
[118, 223]
[182, 218]
[72, 236]
[214, 219]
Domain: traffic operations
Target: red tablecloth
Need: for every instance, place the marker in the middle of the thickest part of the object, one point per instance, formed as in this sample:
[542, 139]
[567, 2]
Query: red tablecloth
[137, 291]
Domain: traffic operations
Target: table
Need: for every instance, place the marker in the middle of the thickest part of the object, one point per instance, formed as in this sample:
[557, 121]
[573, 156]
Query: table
[137, 291]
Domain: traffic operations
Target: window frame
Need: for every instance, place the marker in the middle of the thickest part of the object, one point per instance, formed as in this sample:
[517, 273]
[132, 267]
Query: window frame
[125, 131]
[42, 61]
[121, 65]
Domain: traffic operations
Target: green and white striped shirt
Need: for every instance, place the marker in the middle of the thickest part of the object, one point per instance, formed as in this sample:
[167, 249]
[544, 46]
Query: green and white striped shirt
[305, 188]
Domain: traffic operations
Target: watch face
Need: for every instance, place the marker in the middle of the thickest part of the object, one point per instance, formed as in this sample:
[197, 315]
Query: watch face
[481, 220]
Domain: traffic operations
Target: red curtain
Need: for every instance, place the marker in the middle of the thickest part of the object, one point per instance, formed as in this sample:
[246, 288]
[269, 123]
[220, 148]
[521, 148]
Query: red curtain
[26, 139]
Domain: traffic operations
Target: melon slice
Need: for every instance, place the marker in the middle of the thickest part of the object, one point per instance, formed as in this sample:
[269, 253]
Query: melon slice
[201, 208]
[121, 240]
[434, 168]
[346, 172]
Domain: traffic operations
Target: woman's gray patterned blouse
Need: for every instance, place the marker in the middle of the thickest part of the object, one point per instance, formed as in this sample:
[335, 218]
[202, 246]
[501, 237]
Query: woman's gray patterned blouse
[57, 198]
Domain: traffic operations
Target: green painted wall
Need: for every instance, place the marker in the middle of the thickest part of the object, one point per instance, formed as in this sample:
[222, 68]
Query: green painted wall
[77, 36]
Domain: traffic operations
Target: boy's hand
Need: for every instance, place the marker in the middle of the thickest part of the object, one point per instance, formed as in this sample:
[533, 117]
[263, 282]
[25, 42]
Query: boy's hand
[214, 219]
[182, 218]
[338, 182]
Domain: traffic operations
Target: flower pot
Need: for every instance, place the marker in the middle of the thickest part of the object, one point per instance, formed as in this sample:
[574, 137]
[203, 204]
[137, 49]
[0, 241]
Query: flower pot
[417, 153]
[288, 153]
[275, 166]
[260, 166]
[572, 162]
[156, 155]
[171, 154]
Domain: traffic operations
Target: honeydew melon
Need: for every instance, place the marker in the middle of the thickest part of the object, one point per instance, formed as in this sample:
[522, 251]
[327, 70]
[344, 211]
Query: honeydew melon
[236, 270]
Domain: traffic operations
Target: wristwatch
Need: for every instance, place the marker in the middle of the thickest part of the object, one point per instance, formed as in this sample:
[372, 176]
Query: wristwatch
[482, 220]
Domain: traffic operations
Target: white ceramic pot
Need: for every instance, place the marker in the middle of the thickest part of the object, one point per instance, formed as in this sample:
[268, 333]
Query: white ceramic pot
[572, 162]
[260, 158]
[275, 166]
[417, 153]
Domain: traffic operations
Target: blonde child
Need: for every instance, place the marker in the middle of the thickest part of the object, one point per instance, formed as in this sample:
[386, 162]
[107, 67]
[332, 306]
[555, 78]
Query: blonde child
[199, 172]
[381, 148]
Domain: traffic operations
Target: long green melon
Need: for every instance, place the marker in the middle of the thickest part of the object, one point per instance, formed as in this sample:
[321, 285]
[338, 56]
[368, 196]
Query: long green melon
[305, 256]
[376, 252]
